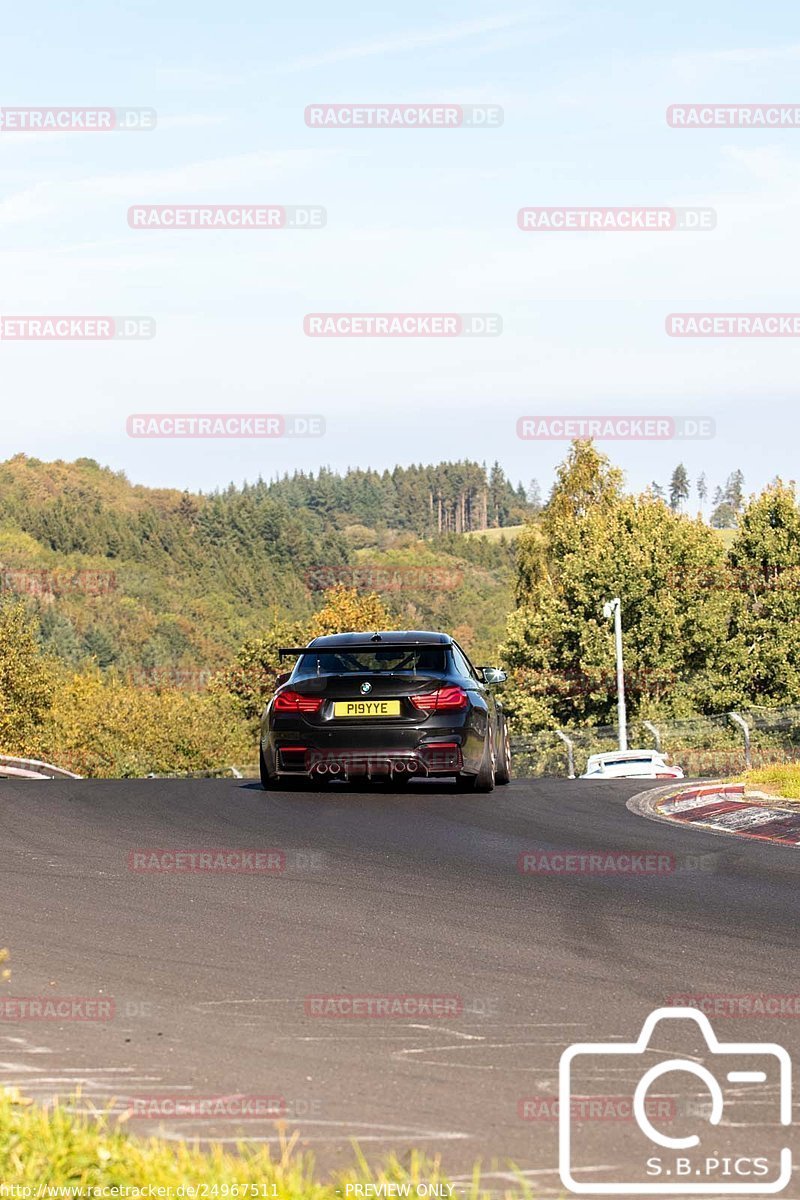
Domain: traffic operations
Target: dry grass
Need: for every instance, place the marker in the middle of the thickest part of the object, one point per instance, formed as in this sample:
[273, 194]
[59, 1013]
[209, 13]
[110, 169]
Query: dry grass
[780, 779]
[60, 1149]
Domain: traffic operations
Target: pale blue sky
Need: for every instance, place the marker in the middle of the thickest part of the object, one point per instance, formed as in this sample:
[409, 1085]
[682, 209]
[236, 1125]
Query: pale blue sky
[417, 221]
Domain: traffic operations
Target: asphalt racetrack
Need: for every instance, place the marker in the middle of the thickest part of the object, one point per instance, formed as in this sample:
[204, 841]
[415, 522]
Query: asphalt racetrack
[240, 984]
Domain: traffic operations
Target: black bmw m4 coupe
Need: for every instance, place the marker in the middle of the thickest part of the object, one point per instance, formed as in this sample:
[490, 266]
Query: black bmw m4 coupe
[385, 705]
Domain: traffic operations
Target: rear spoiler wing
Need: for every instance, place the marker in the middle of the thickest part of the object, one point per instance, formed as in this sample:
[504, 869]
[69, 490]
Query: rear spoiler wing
[287, 651]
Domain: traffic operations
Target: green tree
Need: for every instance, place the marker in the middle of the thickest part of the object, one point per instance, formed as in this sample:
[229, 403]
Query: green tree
[765, 562]
[534, 495]
[531, 561]
[27, 681]
[734, 490]
[675, 627]
[99, 645]
[585, 481]
[728, 502]
[347, 611]
[723, 516]
[102, 727]
[251, 678]
[678, 488]
[702, 489]
[498, 496]
[57, 636]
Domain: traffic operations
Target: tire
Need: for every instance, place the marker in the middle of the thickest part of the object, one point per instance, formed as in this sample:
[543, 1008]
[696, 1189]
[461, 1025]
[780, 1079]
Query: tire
[268, 782]
[484, 780]
[502, 773]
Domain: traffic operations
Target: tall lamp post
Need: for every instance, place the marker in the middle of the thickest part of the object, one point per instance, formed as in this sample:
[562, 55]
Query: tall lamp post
[613, 607]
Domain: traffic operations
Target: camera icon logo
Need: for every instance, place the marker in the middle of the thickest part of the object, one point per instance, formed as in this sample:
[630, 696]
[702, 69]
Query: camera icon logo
[662, 1164]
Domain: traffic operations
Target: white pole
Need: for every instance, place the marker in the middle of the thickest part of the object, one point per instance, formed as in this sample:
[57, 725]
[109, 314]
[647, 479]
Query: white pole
[615, 606]
[745, 728]
[649, 725]
[568, 742]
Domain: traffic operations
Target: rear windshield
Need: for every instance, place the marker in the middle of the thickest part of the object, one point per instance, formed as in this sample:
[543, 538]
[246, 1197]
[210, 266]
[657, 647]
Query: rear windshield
[630, 762]
[372, 662]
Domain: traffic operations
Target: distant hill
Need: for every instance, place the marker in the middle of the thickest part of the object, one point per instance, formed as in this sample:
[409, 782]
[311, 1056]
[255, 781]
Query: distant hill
[170, 583]
[426, 500]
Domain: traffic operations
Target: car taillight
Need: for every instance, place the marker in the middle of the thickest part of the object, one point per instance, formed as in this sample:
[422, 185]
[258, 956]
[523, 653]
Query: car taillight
[295, 702]
[443, 700]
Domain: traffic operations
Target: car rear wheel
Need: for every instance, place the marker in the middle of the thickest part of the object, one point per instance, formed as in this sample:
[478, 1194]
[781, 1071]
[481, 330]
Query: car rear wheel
[484, 780]
[285, 783]
[268, 782]
[502, 773]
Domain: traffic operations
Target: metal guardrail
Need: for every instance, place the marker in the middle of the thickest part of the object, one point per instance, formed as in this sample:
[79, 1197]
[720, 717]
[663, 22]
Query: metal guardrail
[31, 768]
[712, 745]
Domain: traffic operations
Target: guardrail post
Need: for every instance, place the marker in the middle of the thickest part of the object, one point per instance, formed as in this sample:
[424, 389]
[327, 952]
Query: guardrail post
[570, 752]
[745, 728]
[649, 725]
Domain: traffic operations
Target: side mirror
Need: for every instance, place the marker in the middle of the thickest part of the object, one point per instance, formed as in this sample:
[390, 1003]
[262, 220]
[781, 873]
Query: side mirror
[282, 678]
[493, 675]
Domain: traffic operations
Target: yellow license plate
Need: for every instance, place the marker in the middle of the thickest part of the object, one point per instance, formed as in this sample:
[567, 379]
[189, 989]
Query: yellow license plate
[366, 708]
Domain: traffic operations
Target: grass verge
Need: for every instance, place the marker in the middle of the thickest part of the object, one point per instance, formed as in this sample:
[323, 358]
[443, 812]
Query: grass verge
[509, 532]
[62, 1149]
[780, 779]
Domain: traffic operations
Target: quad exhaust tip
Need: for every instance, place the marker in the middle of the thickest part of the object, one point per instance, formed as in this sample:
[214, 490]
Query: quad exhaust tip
[397, 766]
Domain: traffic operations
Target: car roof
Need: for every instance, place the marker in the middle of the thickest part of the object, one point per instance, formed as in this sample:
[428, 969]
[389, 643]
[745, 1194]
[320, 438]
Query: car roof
[373, 637]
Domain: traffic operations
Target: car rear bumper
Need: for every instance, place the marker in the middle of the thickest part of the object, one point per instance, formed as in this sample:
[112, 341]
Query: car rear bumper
[345, 754]
[348, 763]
